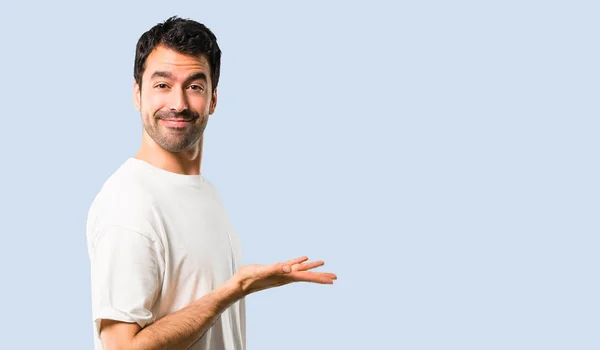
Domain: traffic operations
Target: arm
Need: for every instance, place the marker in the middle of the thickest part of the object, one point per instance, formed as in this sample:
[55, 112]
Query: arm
[178, 330]
[183, 328]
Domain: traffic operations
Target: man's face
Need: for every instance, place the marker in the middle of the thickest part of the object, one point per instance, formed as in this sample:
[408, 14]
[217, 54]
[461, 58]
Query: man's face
[175, 98]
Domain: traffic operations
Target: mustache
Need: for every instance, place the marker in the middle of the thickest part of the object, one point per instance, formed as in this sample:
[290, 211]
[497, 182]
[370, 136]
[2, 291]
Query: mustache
[186, 115]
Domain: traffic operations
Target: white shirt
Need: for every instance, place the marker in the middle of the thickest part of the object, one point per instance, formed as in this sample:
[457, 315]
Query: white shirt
[157, 241]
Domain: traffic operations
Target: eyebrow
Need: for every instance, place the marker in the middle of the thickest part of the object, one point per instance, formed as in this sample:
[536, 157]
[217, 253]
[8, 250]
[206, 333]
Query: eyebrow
[168, 75]
[197, 76]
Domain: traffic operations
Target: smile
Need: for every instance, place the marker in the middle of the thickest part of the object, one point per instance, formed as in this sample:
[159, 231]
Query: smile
[176, 123]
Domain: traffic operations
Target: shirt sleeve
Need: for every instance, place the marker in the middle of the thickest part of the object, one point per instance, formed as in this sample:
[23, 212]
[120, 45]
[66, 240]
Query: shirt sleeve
[126, 276]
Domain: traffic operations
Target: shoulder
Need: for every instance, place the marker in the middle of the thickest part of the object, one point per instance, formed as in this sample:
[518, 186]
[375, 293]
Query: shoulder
[211, 190]
[125, 200]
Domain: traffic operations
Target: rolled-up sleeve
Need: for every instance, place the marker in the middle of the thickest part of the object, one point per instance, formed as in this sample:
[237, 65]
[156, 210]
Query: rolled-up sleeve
[126, 276]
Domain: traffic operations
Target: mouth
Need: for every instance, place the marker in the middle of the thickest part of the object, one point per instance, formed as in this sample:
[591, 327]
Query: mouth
[176, 123]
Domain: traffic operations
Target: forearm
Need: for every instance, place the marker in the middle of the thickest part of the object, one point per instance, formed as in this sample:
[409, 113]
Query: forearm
[183, 328]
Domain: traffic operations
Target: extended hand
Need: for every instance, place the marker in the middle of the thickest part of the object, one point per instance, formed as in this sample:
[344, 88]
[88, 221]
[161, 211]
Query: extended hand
[253, 278]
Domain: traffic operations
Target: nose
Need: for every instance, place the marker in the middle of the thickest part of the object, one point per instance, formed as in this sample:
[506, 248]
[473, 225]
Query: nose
[177, 100]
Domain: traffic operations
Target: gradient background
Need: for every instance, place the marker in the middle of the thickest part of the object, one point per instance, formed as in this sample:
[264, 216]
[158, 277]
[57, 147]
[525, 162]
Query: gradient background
[439, 156]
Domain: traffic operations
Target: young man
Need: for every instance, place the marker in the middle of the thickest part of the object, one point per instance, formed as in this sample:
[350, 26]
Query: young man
[164, 256]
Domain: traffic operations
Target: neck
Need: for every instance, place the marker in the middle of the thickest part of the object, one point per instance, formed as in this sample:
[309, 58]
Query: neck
[186, 163]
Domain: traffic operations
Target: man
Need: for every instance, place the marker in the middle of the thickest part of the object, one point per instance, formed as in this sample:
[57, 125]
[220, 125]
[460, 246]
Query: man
[164, 256]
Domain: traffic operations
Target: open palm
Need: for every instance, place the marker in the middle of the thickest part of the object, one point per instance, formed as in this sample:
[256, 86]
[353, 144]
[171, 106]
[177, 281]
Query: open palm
[255, 277]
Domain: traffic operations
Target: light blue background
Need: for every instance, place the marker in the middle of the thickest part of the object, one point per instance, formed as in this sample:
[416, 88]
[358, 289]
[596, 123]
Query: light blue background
[440, 156]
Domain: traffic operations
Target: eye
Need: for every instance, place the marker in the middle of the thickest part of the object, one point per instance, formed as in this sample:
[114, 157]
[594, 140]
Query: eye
[196, 87]
[160, 86]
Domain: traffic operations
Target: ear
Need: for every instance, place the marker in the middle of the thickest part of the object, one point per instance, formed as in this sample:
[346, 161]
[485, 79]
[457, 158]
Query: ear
[137, 98]
[213, 102]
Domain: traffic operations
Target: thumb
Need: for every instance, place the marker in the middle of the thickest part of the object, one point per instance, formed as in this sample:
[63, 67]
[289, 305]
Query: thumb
[285, 269]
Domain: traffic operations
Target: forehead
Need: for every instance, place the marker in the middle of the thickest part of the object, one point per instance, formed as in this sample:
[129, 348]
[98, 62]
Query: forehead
[165, 59]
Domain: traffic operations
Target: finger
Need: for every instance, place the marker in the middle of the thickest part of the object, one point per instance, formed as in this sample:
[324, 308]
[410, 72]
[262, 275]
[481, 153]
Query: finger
[331, 275]
[307, 266]
[287, 266]
[297, 260]
[314, 277]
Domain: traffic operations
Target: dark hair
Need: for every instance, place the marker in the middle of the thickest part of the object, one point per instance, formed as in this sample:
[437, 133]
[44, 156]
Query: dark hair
[184, 36]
